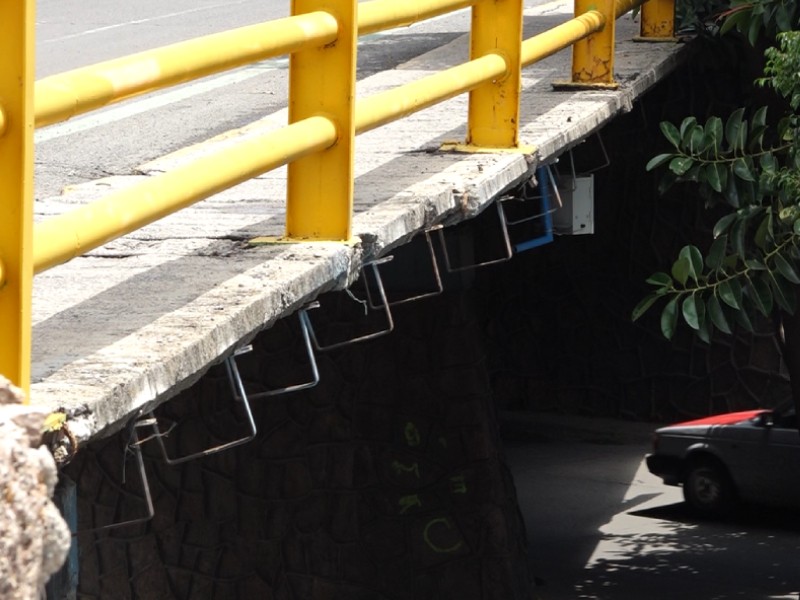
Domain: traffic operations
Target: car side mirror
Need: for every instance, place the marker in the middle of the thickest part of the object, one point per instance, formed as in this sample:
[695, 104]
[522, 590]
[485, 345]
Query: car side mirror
[765, 420]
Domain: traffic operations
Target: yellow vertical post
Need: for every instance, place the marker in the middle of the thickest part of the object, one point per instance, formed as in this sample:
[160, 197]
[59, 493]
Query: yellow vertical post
[658, 20]
[319, 203]
[593, 56]
[494, 107]
[16, 188]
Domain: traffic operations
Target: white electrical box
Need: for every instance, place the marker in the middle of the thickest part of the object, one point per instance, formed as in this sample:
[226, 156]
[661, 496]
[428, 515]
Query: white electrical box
[576, 215]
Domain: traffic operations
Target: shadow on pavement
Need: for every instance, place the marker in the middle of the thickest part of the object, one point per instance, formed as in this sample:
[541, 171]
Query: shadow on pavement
[753, 554]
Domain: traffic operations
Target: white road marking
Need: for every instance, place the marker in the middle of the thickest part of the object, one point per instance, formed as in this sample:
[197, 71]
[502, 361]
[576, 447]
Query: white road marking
[130, 109]
[138, 22]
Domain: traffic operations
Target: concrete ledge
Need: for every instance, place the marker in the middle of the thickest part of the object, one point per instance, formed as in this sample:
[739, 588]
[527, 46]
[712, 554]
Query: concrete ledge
[131, 324]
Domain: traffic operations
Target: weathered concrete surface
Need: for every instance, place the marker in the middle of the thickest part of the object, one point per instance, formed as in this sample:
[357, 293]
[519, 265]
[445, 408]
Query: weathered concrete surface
[131, 324]
[34, 539]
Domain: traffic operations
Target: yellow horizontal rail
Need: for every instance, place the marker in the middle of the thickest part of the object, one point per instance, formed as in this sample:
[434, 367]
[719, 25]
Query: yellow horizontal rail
[64, 237]
[380, 15]
[623, 6]
[404, 100]
[561, 36]
[60, 97]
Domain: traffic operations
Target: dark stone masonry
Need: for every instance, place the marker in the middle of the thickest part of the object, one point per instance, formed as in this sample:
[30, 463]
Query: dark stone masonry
[386, 481]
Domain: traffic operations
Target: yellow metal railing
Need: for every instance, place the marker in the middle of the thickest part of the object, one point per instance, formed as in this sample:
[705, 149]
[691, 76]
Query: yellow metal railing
[317, 144]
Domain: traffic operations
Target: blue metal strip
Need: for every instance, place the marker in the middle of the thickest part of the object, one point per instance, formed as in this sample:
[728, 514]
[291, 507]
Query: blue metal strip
[543, 177]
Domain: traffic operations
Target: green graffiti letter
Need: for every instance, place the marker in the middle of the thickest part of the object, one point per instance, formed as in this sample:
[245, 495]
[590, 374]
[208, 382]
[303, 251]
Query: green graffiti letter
[408, 502]
[439, 549]
[458, 485]
[413, 438]
[400, 468]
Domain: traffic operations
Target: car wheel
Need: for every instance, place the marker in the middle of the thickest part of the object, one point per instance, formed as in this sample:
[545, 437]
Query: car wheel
[708, 489]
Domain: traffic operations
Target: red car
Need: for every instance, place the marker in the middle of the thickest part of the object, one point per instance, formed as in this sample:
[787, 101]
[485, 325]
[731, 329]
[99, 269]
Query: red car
[750, 456]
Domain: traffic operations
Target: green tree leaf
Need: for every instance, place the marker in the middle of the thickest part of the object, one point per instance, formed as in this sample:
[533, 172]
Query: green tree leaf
[753, 31]
[695, 259]
[730, 291]
[714, 176]
[764, 232]
[693, 310]
[742, 171]
[687, 126]
[681, 269]
[733, 129]
[743, 319]
[737, 238]
[643, 306]
[660, 279]
[669, 318]
[734, 21]
[696, 140]
[714, 130]
[732, 193]
[786, 269]
[659, 160]
[724, 224]
[717, 315]
[671, 133]
[779, 293]
[768, 163]
[760, 117]
[716, 253]
[761, 295]
[788, 293]
[704, 332]
[783, 17]
[680, 164]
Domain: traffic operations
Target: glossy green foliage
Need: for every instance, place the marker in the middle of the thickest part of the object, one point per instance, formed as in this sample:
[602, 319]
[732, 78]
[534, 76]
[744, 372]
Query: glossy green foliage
[752, 168]
[760, 18]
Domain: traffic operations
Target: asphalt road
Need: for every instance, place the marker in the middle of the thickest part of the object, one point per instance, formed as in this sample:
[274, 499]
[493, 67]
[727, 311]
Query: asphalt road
[601, 527]
[75, 33]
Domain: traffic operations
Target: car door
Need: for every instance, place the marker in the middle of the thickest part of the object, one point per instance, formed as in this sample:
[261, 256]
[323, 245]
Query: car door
[782, 460]
[763, 457]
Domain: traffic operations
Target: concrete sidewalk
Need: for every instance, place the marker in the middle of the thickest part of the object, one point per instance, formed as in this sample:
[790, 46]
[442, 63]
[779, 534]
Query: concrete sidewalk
[131, 324]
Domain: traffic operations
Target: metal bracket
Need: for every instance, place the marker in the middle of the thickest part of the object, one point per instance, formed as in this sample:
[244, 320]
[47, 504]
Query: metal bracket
[303, 312]
[239, 394]
[305, 327]
[606, 162]
[436, 275]
[546, 214]
[134, 446]
[543, 195]
[505, 222]
[506, 243]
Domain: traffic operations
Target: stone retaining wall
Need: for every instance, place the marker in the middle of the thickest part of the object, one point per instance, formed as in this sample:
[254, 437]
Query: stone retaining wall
[34, 539]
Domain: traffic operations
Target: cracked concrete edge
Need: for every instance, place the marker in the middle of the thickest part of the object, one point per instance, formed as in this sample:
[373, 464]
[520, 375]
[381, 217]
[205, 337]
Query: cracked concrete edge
[133, 386]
